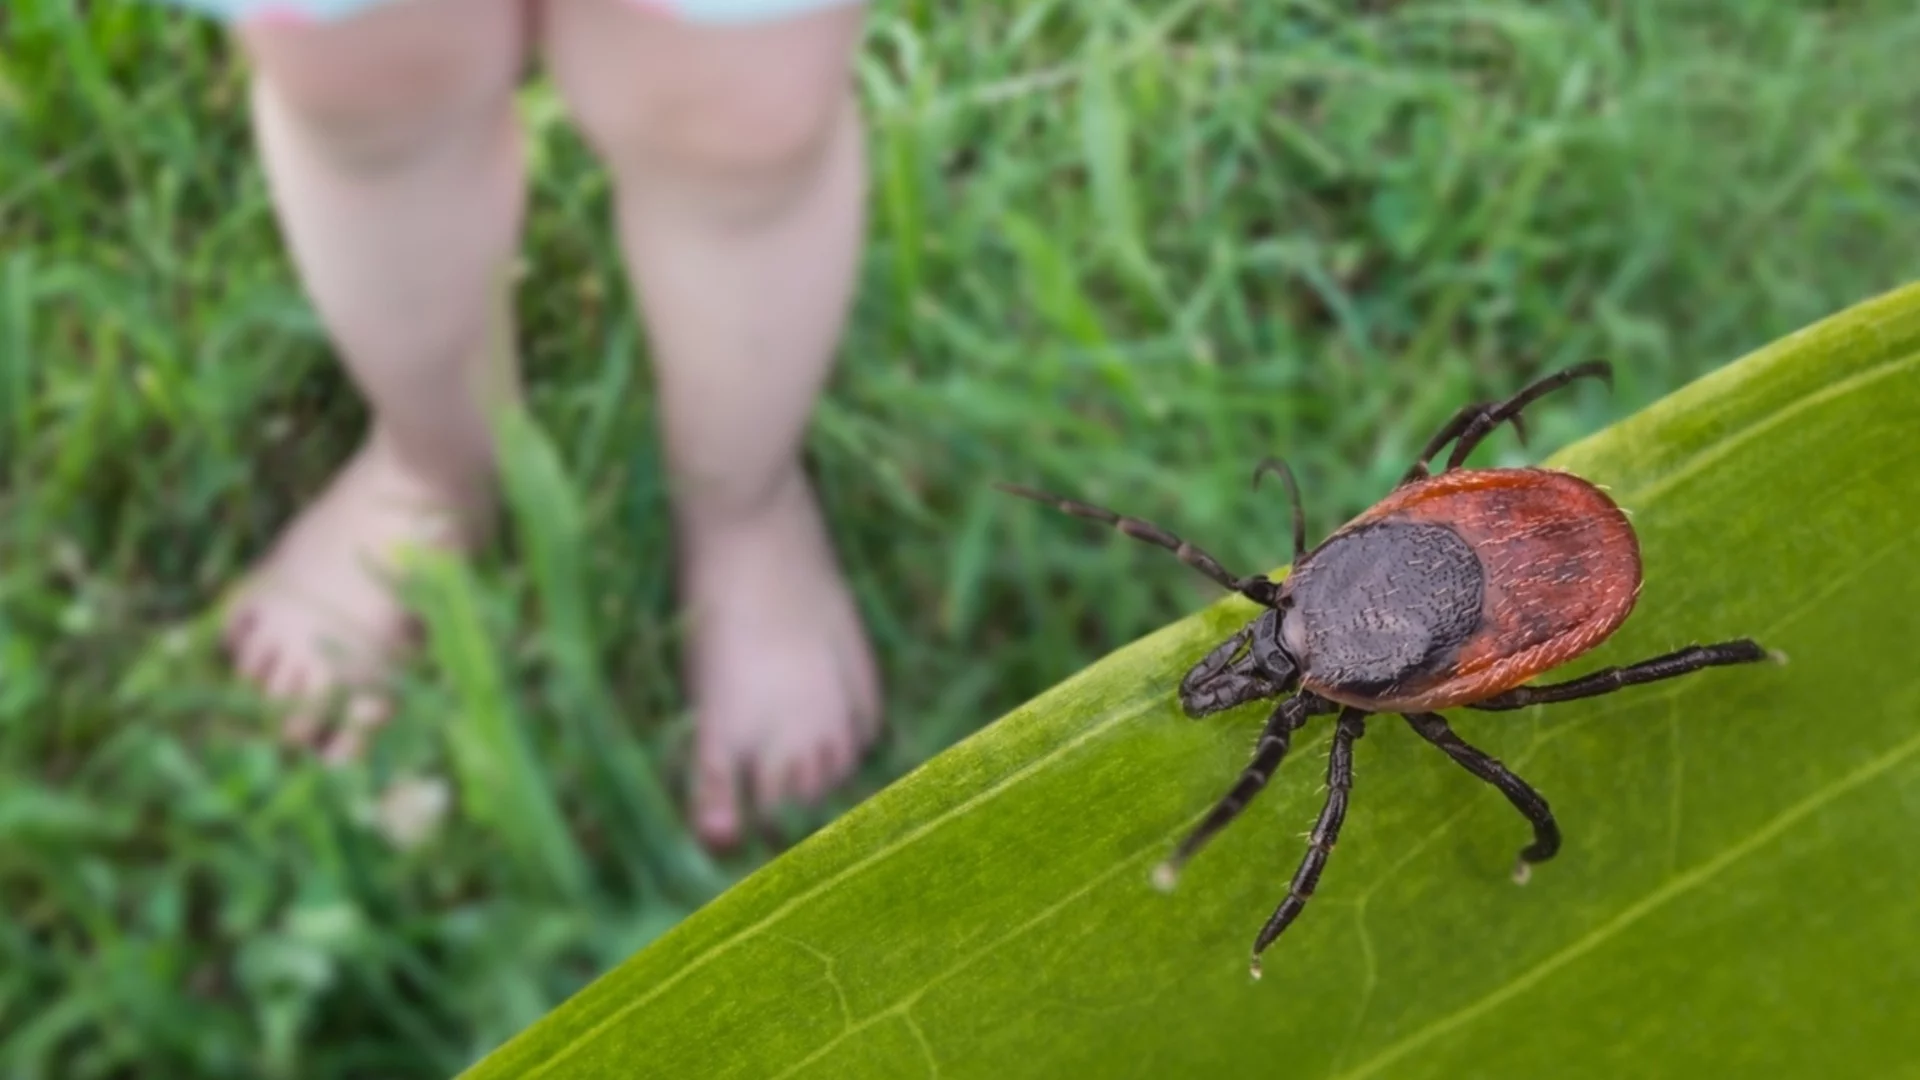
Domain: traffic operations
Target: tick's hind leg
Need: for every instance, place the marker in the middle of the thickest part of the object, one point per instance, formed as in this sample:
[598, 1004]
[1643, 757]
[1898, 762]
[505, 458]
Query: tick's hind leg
[1483, 424]
[1267, 755]
[1546, 833]
[1326, 831]
[1257, 589]
[1607, 680]
[1451, 430]
[1475, 422]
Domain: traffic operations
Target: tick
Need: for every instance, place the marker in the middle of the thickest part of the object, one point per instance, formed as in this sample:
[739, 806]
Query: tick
[1454, 590]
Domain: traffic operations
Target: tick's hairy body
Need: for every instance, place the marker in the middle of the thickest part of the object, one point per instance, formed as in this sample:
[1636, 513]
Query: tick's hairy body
[1457, 587]
[1454, 590]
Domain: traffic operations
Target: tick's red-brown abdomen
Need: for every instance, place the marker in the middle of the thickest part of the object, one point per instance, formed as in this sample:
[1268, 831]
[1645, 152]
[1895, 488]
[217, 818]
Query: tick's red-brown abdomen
[1561, 568]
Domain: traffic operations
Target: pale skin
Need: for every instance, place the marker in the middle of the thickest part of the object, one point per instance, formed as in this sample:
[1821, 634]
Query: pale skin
[395, 162]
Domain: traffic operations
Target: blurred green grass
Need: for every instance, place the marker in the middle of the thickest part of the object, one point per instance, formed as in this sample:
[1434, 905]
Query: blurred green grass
[1122, 248]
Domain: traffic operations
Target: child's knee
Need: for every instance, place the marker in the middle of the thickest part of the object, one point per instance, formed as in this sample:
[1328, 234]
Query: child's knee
[374, 89]
[757, 110]
[764, 133]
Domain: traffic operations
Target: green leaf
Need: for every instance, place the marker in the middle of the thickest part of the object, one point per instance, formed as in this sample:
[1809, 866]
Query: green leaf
[1735, 896]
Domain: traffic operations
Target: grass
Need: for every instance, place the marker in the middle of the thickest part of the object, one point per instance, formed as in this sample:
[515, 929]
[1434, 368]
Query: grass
[1122, 249]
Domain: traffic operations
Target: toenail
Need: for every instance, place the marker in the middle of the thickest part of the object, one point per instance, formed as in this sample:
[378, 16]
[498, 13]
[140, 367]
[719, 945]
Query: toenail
[237, 630]
[261, 668]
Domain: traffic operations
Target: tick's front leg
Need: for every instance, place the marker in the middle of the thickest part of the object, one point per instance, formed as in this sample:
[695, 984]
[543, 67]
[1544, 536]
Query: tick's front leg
[1275, 739]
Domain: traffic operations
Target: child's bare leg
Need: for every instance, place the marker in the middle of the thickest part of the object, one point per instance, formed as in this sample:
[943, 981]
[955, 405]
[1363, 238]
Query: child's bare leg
[390, 146]
[739, 171]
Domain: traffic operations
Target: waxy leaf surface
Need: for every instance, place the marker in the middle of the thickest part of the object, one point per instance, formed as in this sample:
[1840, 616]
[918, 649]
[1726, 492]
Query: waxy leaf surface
[1737, 894]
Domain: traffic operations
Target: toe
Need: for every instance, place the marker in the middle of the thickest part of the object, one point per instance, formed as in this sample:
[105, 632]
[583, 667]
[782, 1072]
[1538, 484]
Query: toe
[292, 679]
[364, 712]
[238, 628]
[303, 723]
[769, 784]
[804, 778]
[835, 761]
[716, 800]
[257, 661]
[286, 681]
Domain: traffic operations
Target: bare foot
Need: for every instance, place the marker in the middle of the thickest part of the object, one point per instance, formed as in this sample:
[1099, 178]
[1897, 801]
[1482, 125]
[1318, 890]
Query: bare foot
[316, 625]
[781, 675]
